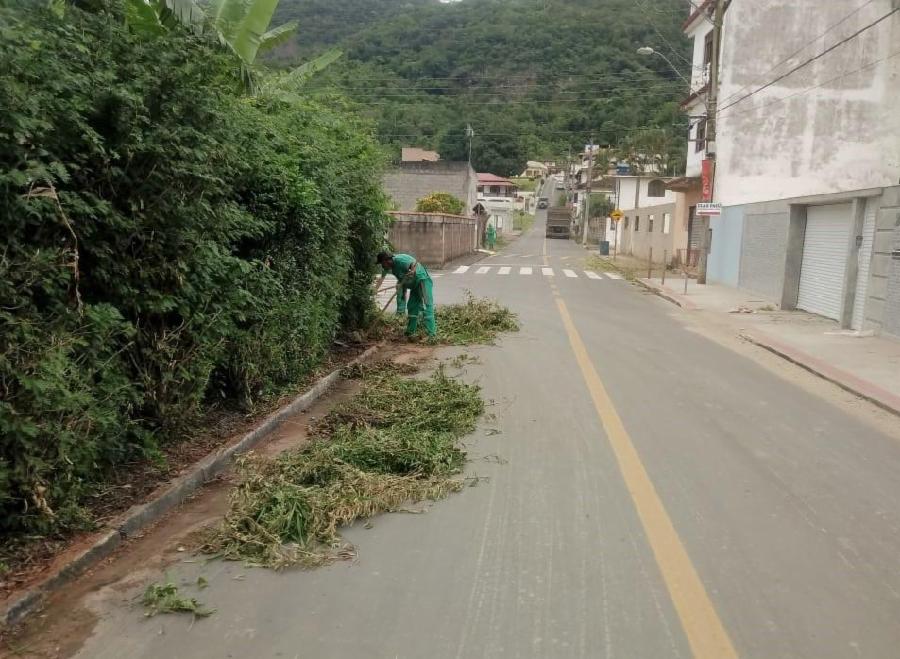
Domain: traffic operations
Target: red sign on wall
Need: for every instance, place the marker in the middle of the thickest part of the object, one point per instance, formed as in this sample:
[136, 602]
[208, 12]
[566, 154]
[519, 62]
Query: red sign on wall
[707, 173]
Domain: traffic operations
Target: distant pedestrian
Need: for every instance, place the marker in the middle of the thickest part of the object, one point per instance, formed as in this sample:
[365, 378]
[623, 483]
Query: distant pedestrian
[491, 235]
[414, 278]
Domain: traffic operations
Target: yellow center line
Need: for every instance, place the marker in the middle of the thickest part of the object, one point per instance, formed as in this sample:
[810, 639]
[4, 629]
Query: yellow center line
[704, 630]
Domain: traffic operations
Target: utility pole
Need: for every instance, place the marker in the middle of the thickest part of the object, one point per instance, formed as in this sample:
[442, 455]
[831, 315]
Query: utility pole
[711, 120]
[470, 133]
[587, 193]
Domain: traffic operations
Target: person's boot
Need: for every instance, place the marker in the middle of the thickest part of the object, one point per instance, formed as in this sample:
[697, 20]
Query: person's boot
[430, 326]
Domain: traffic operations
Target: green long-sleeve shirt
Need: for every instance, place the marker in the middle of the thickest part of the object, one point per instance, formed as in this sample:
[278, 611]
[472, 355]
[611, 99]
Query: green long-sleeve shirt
[400, 270]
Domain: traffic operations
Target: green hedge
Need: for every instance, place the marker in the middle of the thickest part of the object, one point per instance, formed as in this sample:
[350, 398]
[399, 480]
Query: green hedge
[169, 244]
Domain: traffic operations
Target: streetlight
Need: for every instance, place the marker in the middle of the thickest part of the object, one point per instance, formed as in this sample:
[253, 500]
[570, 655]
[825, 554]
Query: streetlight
[647, 50]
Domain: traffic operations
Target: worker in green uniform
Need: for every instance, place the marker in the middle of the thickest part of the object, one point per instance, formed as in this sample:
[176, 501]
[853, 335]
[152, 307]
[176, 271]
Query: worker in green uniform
[413, 277]
[491, 235]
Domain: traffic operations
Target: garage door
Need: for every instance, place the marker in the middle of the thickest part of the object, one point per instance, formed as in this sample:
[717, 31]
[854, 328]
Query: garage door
[824, 260]
[865, 263]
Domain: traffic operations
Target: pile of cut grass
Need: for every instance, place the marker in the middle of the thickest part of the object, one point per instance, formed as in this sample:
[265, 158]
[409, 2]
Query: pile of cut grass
[477, 320]
[393, 443]
[164, 598]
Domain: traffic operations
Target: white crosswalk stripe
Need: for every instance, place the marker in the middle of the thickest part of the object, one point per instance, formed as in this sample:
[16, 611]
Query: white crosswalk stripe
[522, 270]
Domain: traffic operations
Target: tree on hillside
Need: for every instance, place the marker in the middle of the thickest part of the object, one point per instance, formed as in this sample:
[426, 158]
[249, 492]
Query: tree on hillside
[531, 81]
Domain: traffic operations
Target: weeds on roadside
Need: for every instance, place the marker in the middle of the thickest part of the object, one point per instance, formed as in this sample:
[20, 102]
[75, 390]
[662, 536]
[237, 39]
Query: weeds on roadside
[601, 264]
[477, 320]
[394, 442]
[164, 598]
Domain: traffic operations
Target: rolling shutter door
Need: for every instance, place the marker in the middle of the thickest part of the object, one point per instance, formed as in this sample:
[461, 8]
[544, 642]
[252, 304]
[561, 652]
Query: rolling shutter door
[824, 260]
[865, 262]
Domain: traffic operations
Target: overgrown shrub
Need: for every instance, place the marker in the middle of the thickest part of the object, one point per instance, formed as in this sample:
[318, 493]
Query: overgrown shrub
[167, 243]
[440, 202]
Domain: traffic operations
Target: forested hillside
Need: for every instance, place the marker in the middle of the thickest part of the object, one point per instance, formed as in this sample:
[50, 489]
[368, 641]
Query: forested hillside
[531, 78]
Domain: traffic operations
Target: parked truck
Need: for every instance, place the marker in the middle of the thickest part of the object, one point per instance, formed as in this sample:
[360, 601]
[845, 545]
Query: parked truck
[559, 221]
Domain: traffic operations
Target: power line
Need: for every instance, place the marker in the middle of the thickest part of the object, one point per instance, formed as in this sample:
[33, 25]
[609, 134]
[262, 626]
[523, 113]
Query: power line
[668, 131]
[584, 86]
[415, 94]
[591, 99]
[624, 76]
[803, 47]
[811, 59]
[809, 89]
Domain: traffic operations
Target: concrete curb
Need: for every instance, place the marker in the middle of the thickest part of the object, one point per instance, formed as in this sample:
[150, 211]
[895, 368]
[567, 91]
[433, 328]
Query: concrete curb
[846, 381]
[667, 294]
[140, 516]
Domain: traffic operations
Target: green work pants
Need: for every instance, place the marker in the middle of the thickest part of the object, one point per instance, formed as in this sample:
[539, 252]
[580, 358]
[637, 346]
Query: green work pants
[421, 301]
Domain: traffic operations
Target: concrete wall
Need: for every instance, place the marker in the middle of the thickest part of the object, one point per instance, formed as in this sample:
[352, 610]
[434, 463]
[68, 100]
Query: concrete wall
[411, 181]
[723, 265]
[434, 239]
[681, 222]
[883, 294]
[762, 254]
[816, 132]
[759, 247]
[639, 243]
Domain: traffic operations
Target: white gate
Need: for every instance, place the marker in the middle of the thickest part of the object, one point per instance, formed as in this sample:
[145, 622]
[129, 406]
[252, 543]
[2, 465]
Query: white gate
[865, 263]
[824, 262]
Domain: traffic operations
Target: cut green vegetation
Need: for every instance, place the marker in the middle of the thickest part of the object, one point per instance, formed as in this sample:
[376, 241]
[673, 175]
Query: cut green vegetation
[394, 442]
[477, 320]
[164, 598]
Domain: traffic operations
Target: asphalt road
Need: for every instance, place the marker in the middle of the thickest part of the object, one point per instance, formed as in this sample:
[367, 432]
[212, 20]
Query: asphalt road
[652, 494]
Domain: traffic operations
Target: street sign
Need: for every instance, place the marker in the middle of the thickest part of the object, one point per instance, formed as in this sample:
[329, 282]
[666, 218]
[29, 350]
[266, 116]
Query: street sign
[616, 215]
[709, 208]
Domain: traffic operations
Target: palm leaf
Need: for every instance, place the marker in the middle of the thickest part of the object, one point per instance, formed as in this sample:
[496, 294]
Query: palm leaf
[277, 36]
[245, 35]
[308, 69]
[143, 18]
[284, 86]
[186, 12]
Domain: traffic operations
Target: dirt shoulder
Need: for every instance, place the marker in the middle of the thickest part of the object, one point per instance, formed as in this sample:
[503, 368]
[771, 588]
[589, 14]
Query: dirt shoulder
[68, 616]
[28, 561]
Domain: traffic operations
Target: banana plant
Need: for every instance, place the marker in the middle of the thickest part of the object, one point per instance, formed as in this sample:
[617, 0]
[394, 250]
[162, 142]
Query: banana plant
[284, 86]
[240, 25]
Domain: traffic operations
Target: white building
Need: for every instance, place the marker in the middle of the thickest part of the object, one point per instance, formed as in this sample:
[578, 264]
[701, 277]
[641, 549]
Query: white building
[535, 169]
[808, 160]
[648, 224]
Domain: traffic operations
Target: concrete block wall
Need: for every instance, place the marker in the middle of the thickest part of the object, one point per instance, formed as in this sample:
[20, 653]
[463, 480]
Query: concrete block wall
[764, 246]
[411, 181]
[433, 238]
[883, 295]
[639, 243]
